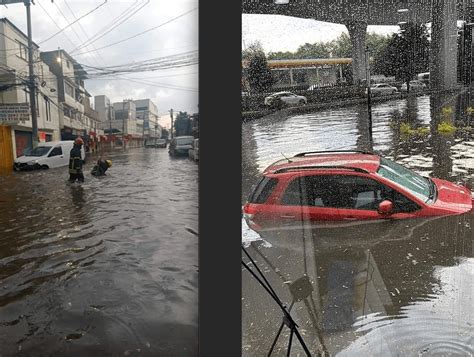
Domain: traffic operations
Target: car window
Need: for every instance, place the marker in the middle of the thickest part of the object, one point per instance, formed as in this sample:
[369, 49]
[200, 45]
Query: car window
[39, 151]
[56, 151]
[263, 190]
[343, 191]
[184, 141]
[416, 184]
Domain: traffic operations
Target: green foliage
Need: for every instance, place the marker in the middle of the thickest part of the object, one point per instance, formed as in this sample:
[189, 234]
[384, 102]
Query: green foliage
[338, 48]
[182, 124]
[407, 131]
[446, 127]
[259, 75]
[164, 133]
[405, 54]
[280, 55]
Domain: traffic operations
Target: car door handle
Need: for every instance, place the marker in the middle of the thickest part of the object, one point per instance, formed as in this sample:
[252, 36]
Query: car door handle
[287, 216]
[350, 218]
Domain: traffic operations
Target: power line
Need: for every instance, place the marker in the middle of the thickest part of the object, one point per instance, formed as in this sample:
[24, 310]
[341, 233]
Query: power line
[114, 21]
[120, 22]
[54, 22]
[143, 32]
[72, 23]
[96, 58]
[72, 28]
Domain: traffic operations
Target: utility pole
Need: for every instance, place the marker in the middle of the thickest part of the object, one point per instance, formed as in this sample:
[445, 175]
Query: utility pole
[123, 123]
[171, 115]
[110, 124]
[369, 103]
[31, 83]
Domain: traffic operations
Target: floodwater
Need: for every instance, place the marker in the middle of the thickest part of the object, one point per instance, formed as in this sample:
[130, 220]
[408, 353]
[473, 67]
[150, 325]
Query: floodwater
[108, 267]
[385, 288]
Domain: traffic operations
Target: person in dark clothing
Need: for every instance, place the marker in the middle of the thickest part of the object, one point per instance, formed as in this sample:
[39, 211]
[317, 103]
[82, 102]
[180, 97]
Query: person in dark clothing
[100, 168]
[76, 161]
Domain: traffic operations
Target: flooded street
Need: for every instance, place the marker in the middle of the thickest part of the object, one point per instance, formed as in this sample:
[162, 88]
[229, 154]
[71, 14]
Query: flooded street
[380, 288]
[109, 267]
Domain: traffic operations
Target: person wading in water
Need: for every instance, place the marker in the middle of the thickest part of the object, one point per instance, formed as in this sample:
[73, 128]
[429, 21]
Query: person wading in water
[76, 161]
[100, 168]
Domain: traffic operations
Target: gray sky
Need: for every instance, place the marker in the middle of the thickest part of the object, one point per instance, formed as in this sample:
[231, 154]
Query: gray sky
[285, 33]
[176, 37]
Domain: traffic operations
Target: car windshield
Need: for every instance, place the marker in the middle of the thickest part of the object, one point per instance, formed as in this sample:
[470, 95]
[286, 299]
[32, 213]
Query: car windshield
[184, 141]
[39, 151]
[415, 183]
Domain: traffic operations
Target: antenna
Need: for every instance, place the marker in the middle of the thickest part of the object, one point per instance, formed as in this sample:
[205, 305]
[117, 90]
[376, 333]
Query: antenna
[285, 157]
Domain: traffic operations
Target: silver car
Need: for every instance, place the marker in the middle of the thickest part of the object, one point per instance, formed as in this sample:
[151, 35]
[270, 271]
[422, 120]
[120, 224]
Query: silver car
[382, 89]
[287, 98]
[415, 86]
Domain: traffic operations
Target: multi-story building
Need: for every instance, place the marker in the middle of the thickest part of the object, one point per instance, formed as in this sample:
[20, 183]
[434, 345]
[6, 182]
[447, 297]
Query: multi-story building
[148, 112]
[15, 117]
[71, 92]
[125, 120]
[104, 108]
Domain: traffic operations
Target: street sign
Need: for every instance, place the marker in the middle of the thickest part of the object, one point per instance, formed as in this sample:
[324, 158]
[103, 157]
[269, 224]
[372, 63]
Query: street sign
[14, 113]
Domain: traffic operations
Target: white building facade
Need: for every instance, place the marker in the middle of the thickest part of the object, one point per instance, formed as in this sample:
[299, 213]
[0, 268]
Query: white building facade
[148, 112]
[14, 92]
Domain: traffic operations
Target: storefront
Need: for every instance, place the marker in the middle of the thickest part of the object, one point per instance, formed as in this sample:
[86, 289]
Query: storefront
[70, 133]
[23, 141]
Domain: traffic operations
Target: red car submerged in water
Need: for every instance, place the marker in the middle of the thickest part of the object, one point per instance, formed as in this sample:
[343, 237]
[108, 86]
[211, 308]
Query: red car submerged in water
[348, 186]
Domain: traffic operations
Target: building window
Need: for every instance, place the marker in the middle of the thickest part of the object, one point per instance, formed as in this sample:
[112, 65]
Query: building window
[69, 89]
[68, 64]
[23, 51]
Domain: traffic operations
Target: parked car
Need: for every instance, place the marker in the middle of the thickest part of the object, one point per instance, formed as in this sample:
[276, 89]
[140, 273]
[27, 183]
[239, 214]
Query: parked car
[180, 145]
[46, 155]
[424, 77]
[382, 89]
[194, 152]
[150, 143]
[286, 98]
[348, 186]
[161, 143]
[415, 86]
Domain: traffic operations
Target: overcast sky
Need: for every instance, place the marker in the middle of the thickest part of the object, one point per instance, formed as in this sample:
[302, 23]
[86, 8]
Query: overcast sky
[285, 33]
[176, 37]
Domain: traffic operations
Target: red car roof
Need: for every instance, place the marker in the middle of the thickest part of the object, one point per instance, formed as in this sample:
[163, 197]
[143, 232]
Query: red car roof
[367, 162]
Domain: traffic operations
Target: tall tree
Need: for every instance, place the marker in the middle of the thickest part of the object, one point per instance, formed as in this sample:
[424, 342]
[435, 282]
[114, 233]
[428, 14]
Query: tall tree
[258, 74]
[182, 124]
[406, 53]
[313, 50]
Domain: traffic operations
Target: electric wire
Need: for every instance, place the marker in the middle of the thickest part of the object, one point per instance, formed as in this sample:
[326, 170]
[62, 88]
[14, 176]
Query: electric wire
[143, 32]
[90, 41]
[64, 28]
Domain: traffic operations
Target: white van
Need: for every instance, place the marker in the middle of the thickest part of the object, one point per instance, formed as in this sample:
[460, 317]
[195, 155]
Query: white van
[424, 77]
[46, 155]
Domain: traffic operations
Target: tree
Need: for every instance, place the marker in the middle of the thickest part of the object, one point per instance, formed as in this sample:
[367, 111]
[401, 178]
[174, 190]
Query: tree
[165, 133]
[406, 54]
[342, 46]
[182, 124]
[259, 75]
[313, 50]
[280, 55]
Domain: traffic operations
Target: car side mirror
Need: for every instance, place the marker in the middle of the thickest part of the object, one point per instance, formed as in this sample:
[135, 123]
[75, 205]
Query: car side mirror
[385, 207]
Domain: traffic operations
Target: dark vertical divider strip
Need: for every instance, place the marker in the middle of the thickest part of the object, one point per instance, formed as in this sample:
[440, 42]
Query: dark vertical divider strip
[219, 178]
